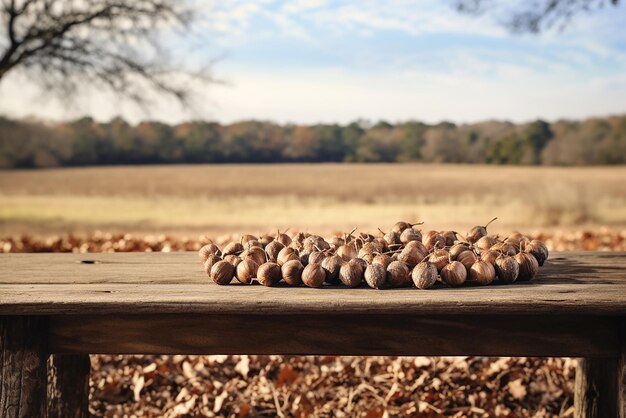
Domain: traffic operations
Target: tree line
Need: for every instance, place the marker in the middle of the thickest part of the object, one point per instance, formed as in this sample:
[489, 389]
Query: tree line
[31, 143]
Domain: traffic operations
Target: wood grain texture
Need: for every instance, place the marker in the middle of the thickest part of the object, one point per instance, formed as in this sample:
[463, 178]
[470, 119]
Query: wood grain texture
[600, 387]
[149, 283]
[68, 386]
[596, 388]
[365, 334]
[22, 367]
[622, 371]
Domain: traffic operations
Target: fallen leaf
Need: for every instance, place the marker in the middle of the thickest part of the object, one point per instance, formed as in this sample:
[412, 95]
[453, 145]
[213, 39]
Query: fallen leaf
[244, 410]
[287, 375]
[517, 389]
[219, 400]
[138, 383]
[242, 366]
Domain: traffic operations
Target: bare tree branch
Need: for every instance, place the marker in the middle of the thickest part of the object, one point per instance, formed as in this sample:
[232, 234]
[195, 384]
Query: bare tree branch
[539, 15]
[118, 44]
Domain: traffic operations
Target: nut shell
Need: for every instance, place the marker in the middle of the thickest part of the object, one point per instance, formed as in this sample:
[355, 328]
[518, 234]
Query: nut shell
[313, 275]
[507, 269]
[517, 235]
[482, 272]
[252, 243]
[304, 258]
[234, 248]
[208, 263]
[417, 245]
[398, 274]
[454, 274]
[287, 254]
[433, 239]
[351, 273]
[336, 242]
[382, 259]
[369, 248]
[375, 276]
[272, 249]
[539, 250]
[486, 243]
[232, 259]
[392, 238]
[475, 234]
[450, 237]
[440, 258]
[457, 249]
[266, 239]
[315, 242]
[514, 241]
[347, 251]
[504, 248]
[255, 253]
[300, 237]
[316, 257]
[331, 266]
[382, 244]
[361, 262]
[292, 272]
[401, 226]
[478, 232]
[283, 239]
[269, 274]
[489, 256]
[528, 266]
[222, 272]
[410, 234]
[424, 275]
[246, 270]
[467, 258]
[411, 256]
[248, 237]
[207, 250]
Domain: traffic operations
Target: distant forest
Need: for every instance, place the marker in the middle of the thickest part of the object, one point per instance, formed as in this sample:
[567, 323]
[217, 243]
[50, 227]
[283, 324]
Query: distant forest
[31, 144]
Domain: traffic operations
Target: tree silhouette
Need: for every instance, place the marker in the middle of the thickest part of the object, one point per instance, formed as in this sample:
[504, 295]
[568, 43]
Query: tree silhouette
[539, 15]
[66, 44]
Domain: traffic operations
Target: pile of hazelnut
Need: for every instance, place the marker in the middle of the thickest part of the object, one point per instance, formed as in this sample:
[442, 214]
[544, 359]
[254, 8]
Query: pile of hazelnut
[401, 257]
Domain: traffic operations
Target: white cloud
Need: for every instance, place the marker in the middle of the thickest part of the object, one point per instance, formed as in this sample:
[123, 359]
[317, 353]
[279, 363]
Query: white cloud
[299, 6]
[230, 18]
[336, 95]
[571, 74]
[409, 17]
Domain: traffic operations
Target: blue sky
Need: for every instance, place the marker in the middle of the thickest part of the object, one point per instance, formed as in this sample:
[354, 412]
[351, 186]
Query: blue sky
[309, 61]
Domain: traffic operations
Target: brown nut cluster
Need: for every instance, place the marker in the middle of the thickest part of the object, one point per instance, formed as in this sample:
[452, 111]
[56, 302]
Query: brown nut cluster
[404, 256]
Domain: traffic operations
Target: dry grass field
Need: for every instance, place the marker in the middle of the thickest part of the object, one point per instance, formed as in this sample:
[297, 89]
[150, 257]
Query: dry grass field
[214, 199]
[229, 199]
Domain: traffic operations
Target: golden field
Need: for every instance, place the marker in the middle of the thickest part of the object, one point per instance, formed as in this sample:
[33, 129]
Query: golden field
[230, 199]
[325, 198]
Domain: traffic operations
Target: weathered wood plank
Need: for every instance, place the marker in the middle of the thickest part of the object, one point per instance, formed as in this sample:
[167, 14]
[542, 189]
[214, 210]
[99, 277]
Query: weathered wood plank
[596, 388]
[600, 387]
[621, 376]
[366, 334]
[571, 283]
[68, 386]
[237, 299]
[22, 367]
[184, 267]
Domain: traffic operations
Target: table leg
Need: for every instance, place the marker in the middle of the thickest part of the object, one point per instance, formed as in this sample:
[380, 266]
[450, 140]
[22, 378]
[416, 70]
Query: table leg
[600, 388]
[23, 366]
[68, 386]
[596, 390]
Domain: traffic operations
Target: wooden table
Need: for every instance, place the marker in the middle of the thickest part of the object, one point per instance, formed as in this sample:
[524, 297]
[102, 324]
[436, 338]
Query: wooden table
[72, 305]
